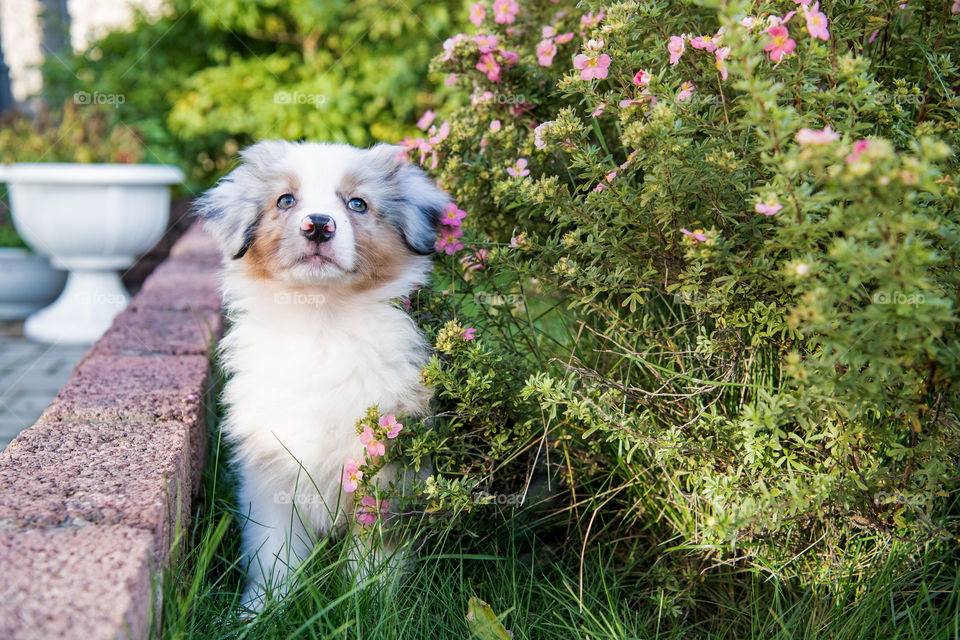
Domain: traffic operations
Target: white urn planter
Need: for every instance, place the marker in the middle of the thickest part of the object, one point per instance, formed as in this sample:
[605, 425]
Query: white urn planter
[27, 283]
[92, 220]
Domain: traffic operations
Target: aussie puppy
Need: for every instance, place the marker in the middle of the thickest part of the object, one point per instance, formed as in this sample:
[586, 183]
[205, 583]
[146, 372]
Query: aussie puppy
[319, 240]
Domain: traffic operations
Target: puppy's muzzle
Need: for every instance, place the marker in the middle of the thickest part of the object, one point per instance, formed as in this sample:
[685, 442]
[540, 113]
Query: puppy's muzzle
[317, 228]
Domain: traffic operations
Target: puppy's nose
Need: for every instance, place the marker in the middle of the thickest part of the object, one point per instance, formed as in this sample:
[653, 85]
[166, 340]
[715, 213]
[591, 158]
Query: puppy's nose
[318, 228]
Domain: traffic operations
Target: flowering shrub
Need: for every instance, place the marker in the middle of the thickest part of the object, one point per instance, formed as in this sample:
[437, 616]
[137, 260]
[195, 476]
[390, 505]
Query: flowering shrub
[719, 273]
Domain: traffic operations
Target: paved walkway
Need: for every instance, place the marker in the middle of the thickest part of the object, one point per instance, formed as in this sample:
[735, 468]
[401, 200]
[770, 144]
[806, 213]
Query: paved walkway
[30, 376]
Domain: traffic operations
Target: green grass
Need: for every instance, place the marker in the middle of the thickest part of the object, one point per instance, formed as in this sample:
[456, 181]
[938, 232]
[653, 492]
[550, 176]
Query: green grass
[539, 590]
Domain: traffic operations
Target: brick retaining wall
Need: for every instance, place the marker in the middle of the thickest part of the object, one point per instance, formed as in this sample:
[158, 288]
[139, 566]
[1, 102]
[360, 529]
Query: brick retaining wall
[91, 494]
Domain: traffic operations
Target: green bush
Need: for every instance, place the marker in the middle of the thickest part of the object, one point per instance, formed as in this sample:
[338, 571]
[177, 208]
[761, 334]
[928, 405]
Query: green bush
[727, 310]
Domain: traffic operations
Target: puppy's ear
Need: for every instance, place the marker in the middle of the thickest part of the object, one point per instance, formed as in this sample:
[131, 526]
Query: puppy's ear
[418, 203]
[231, 209]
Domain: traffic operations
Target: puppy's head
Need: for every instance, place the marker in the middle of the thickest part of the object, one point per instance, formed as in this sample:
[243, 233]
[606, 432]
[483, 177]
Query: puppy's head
[311, 214]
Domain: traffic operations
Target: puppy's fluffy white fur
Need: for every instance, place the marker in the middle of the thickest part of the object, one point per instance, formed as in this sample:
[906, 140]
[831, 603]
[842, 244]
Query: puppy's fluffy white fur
[316, 337]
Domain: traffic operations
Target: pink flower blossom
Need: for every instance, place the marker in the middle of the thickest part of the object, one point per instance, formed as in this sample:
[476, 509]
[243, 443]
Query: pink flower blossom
[426, 119]
[389, 422]
[858, 147]
[722, 54]
[696, 235]
[469, 334]
[956, 7]
[369, 511]
[450, 44]
[351, 476]
[748, 23]
[486, 42]
[548, 32]
[453, 215]
[642, 78]
[599, 109]
[805, 3]
[474, 261]
[509, 57]
[519, 169]
[591, 19]
[592, 67]
[816, 22]
[505, 11]
[767, 209]
[817, 136]
[480, 98]
[488, 64]
[449, 241]
[704, 42]
[686, 90]
[564, 38]
[780, 42]
[477, 13]
[369, 439]
[676, 48]
[450, 80]
[495, 125]
[546, 50]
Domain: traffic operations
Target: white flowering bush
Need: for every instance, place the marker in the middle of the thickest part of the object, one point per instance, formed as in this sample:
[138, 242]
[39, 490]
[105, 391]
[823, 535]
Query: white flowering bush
[707, 255]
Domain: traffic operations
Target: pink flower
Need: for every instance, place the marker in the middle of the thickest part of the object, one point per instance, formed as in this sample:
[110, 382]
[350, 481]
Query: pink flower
[956, 7]
[469, 334]
[686, 90]
[476, 98]
[780, 42]
[505, 11]
[768, 209]
[509, 57]
[722, 54]
[548, 32]
[351, 476]
[449, 241]
[564, 38]
[642, 78]
[591, 20]
[817, 136]
[477, 13]
[426, 119]
[748, 23]
[519, 169]
[675, 47]
[488, 64]
[369, 511]
[859, 147]
[389, 422]
[704, 42]
[592, 66]
[546, 50]
[453, 215]
[486, 43]
[599, 109]
[369, 439]
[696, 235]
[816, 22]
[495, 125]
[450, 80]
[474, 261]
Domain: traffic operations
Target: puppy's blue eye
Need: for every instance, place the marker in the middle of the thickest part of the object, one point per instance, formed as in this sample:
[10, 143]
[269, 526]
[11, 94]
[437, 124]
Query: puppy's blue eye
[358, 205]
[286, 201]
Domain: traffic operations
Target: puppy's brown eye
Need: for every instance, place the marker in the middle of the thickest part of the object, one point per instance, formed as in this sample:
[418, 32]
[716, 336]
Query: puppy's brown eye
[286, 201]
[358, 205]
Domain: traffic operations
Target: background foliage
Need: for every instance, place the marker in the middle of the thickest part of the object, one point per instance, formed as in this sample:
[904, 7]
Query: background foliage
[212, 76]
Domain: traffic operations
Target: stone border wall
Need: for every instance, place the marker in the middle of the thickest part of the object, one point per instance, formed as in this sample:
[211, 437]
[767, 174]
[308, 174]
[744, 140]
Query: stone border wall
[91, 495]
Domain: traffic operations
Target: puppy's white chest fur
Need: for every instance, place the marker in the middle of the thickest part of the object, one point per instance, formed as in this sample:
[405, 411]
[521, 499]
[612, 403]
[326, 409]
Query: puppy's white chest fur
[301, 375]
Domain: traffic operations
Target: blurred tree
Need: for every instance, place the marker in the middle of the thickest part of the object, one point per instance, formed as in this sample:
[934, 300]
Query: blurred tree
[214, 75]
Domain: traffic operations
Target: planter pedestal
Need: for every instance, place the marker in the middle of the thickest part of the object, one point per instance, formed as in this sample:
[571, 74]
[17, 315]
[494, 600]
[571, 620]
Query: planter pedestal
[83, 312]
